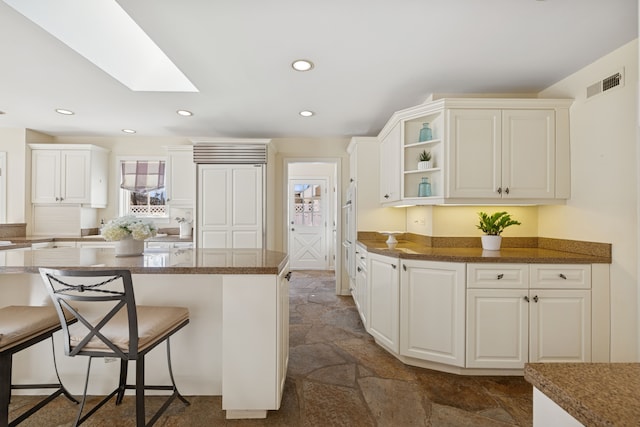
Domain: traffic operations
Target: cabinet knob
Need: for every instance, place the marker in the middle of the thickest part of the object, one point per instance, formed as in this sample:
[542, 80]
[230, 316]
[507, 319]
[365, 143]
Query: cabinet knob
[386, 196]
[526, 298]
[499, 190]
[562, 276]
[404, 267]
[359, 269]
[394, 266]
[500, 276]
[506, 190]
[288, 276]
[535, 298]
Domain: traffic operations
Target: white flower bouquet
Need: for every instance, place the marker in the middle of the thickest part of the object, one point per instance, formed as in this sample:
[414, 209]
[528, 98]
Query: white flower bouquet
[129, 226]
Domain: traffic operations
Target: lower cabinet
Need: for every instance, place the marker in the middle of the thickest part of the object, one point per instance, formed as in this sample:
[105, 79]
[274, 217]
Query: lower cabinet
[507, 328]
[384, 295]
[432, 311]
[478, 316]
[361, 293]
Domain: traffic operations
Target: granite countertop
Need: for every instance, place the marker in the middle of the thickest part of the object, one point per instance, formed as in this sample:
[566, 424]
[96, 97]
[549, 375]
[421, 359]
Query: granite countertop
[94, 238]
[407, 249]
[596, 394]
[153, 261]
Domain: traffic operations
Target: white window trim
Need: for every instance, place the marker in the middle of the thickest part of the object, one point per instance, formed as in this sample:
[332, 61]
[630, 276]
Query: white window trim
[122, 194]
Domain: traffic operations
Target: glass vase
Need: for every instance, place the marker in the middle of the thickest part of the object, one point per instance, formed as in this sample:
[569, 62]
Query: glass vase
[424, 188]
[425, 133]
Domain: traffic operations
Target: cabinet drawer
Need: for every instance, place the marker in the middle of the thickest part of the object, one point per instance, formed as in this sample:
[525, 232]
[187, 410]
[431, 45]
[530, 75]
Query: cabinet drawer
[498, 276]
[560, 276]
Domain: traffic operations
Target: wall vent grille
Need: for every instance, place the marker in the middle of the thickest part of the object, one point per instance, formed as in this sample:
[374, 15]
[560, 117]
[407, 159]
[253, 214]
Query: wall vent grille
[209, 153]
[608, 83]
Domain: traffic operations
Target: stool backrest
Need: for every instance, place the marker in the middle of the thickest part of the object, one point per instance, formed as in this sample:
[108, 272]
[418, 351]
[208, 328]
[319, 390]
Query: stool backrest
[94, 298]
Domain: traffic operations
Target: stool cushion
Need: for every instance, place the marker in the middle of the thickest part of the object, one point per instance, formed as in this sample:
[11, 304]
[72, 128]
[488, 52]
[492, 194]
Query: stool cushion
[153, 323]
[19, 323]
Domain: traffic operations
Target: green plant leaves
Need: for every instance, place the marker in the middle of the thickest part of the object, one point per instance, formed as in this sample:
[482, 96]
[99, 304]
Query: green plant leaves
[495, 224]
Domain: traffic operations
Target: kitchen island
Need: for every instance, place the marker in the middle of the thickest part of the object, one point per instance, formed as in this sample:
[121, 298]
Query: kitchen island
[236, 344]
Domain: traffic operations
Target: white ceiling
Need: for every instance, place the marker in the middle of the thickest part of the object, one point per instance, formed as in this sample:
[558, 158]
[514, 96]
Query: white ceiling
[372, 57]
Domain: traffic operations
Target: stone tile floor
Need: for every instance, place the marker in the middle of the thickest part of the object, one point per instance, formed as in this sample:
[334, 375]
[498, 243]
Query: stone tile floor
[337, 376]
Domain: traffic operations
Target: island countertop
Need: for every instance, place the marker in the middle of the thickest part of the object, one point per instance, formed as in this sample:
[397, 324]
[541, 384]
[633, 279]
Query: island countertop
[596, 394]
[153, 261]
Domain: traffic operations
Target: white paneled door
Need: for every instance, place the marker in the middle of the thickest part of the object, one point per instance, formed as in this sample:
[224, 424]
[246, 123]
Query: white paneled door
[230, 206]
[308, 224]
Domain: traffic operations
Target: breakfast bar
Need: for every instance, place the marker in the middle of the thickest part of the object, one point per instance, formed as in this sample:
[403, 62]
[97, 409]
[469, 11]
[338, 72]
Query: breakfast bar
[236, 344]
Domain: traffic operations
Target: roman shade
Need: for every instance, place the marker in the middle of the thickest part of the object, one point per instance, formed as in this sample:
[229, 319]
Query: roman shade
[142, 176]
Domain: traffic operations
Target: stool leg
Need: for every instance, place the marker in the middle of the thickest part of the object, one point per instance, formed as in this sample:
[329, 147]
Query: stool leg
[5, 387]
[123, 380]
[140, 416]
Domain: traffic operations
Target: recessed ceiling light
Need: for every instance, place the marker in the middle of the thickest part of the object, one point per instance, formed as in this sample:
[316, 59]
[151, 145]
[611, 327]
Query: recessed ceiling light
[302, 65]
[185, 113]
[65, 112]
[128, 131]
[306, 113]
[2, 112]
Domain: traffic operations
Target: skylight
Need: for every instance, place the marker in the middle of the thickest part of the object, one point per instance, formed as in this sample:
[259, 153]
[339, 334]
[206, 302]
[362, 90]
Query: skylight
[102, 32]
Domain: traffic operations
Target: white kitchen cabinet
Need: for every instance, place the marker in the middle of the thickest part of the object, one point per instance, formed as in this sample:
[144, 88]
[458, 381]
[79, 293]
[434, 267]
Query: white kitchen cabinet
[361, 291]
[389, 170]
[497, 328]
[230, 206]
[484, 151]
[432, 311]
[69, 174]
[384, 293]
[535, 313]
[508, 154]
[255, 354]
[181, 176]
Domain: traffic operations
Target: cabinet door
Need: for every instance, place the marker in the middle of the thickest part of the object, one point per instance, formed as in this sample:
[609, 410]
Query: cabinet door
[230, 206]
[76, 177]
[45, 176]
[390, 153]
[560, 326]
[362, 294]
[283, 330]
[474, 166]
[497, 328]
[528, 153]
[384, 307]
[432, 311]
[181, 177]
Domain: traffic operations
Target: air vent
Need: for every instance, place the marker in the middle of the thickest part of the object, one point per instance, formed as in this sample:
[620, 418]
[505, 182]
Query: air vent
[230, 153]
[608, 83]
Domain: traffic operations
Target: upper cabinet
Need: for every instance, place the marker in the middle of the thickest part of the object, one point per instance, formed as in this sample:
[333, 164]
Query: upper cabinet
[69, 174]
[482, 151]
[181, 176]
[390, 171]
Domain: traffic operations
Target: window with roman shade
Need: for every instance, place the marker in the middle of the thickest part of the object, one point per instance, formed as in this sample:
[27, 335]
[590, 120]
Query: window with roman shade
[142, 188]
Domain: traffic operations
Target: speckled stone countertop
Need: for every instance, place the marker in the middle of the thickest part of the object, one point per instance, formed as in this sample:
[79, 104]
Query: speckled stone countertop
[153, 261]
[596, 394]
[517, 250]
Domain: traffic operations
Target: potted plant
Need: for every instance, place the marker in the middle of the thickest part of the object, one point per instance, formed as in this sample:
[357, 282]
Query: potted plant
[424, 160]
[493, 226]
[130, 233]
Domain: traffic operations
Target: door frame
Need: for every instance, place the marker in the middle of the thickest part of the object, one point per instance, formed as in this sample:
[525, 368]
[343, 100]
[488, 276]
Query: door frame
[337, 196]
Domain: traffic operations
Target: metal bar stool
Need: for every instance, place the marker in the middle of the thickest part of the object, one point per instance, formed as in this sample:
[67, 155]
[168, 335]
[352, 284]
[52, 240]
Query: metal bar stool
[20, 328]
[122, 329]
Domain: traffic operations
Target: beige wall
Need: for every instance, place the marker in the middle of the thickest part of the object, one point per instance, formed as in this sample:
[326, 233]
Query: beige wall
[604, 190]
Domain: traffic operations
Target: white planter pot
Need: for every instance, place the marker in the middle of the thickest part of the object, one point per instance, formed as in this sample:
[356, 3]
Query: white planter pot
[491, 243]
[185, 229]
[424, 165]
[129, 247]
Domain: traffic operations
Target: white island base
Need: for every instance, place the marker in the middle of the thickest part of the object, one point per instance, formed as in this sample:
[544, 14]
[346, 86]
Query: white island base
[236, 344]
